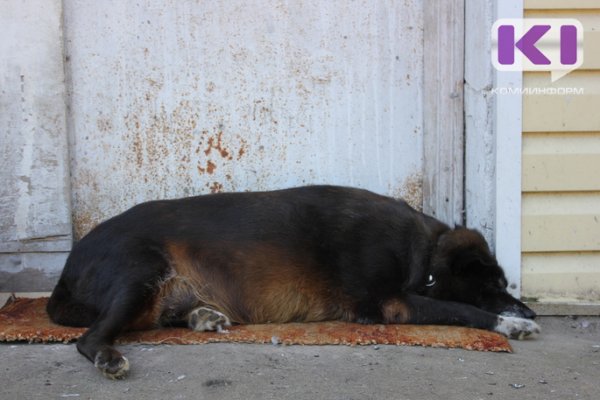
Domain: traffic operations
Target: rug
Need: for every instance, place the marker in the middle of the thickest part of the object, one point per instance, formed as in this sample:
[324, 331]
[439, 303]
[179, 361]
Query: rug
[25, 320]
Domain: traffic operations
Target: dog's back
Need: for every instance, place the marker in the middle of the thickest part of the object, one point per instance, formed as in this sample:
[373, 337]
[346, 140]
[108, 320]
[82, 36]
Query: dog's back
[257, 257]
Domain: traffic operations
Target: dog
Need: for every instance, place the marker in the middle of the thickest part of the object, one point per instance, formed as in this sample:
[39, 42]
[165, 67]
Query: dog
[313, 253]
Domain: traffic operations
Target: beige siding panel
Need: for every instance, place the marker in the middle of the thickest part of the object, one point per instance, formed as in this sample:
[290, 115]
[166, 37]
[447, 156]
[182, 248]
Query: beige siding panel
[561, 4]
[561, 203]
[561, 233]
[591, 49]
[565, 172]
[561, 276]
[561, 222]
[560, 227]
[561, 161]
[538, 143]
[543, 112]
[590, 19]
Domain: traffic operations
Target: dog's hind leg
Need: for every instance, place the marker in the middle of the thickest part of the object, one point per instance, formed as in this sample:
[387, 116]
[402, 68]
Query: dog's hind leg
[96, 345]
[130, 305]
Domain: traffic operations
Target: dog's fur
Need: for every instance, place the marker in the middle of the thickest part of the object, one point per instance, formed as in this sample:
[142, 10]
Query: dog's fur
[306, 254]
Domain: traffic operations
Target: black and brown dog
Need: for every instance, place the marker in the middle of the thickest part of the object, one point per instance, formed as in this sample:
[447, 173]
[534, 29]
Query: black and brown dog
[306, 254]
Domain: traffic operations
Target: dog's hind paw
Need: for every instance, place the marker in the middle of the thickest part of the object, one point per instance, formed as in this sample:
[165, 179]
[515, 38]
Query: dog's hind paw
[206, 319]
[111, 363]
[517, 328]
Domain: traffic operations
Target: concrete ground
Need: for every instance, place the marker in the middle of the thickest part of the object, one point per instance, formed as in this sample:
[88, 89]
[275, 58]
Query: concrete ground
[562, 363]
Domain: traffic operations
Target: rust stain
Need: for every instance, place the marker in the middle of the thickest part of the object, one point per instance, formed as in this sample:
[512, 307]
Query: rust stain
[411, 190]
[138, 148]
[85, 216]
[82, 223]
[216, 143]
[210, 168]
[243, 148]
[215, 187]
[160, 140]
[166, 150]
[241, 153]
[155, 84]
[104, 124]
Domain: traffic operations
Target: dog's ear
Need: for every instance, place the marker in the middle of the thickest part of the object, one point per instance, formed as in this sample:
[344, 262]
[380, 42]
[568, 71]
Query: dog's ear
[466, 252]
[472, 261]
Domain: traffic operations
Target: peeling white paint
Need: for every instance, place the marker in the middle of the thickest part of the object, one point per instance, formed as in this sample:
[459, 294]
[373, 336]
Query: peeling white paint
[23, 178]
[493, 141]
[34, 195]
[480, 154]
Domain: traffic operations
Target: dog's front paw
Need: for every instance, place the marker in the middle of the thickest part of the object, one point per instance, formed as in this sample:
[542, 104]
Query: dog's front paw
[517, 328]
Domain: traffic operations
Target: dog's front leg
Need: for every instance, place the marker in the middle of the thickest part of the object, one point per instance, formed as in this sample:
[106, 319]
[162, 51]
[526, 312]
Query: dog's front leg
[415, 309]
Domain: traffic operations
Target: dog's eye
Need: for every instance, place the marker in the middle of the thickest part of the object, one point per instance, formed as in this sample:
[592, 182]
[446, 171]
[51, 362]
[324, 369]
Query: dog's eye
[430, 281]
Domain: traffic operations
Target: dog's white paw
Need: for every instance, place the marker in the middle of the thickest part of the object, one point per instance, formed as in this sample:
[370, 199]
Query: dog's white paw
[113, 368]
[207, 319]
[517, 328]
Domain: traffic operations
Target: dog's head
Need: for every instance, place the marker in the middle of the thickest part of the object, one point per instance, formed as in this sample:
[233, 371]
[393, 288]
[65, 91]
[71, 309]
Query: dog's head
[463, 269]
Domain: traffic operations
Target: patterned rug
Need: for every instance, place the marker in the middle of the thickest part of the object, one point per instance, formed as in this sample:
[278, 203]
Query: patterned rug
[25, 320]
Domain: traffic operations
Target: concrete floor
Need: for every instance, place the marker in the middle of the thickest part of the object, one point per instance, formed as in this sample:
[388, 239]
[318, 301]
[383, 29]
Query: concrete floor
[563, 363]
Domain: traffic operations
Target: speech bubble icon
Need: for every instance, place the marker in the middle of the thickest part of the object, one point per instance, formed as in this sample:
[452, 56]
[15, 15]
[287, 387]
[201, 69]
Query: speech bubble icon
[559, 73]
[538, 44]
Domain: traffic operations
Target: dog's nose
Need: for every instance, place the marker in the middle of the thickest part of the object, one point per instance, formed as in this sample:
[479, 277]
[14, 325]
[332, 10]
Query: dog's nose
[529, 313]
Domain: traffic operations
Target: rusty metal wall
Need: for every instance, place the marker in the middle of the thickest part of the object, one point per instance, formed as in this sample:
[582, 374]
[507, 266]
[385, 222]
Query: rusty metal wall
[177, 98]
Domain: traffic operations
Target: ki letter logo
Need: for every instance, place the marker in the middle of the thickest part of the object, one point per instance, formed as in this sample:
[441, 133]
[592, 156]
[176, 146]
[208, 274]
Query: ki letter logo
[538, 44]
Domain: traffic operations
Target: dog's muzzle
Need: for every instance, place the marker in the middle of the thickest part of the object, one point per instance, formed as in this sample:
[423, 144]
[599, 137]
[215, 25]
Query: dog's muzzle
[519, 310]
